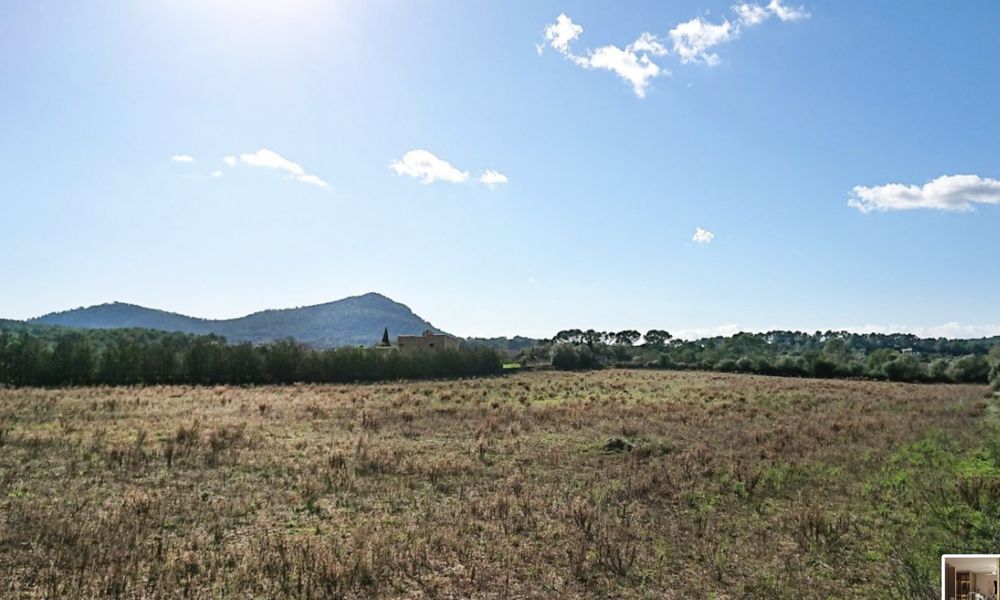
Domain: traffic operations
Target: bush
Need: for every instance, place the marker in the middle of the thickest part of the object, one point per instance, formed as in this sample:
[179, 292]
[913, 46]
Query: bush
[969, 369]
[665, 362]
[938, 370]
[824, 367]
[574, 358]
[764, 367]
[994, 362]
[726, 365]
[791, 366]
[903, 367]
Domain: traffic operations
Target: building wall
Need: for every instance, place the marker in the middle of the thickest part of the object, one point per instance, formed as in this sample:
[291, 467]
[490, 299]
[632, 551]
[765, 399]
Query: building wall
[428, 341]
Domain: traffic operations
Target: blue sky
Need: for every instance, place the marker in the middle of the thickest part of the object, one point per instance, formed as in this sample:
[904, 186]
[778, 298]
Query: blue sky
[336, 114]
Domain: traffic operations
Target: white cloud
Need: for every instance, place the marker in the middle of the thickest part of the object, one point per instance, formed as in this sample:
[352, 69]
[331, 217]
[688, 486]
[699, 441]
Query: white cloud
[270, 159]
[637, 69]
[183, 158]
[751, 14]
[702, 236]
[787, 14]
[561, 33]
[958, 193]
[427, 167]
[492, 178]
[216, 173]
[693, 39]
[697, 333]
[311, 179]
[230, 160]
[692, 42]
[633, 63]
[647, 42]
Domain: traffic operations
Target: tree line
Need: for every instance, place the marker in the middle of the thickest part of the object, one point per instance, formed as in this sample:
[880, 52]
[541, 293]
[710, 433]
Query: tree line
[894, 357]
[143, 357]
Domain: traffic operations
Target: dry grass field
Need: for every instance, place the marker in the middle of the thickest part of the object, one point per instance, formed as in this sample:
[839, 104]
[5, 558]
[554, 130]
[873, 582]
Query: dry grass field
[638, 484]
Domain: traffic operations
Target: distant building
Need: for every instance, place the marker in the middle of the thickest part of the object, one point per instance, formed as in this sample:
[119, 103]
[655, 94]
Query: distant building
[428, 341]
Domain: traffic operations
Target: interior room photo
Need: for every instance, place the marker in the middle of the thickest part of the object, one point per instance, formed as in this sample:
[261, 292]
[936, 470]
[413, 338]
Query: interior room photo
[970, 577]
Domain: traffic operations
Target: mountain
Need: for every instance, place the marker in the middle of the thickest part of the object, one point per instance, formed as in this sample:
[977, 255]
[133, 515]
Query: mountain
[358, 320]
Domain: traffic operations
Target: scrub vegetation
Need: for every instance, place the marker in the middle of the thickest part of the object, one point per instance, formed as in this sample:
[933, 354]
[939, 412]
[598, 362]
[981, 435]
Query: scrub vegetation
[827, 355]
[544, 484]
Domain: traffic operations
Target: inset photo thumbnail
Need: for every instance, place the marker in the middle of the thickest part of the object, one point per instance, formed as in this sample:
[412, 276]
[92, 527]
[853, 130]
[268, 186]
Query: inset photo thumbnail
[969, 576]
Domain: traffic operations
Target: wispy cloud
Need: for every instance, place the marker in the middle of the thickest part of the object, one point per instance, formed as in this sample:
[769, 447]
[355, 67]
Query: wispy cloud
[230, 160]
[751, 14]
[956, 193]
[182, 158]
[692, 42]
[427, 167]
[702, 236]
[786, 13]
[561, 34]
[216, 173]
[697, 333]
[632, 63]
[693, 39]
[270, 159]
[755, 14]
[492, 178]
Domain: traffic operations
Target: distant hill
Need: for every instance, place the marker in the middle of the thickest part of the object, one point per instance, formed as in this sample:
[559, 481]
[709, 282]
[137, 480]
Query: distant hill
[358, 320]
[37, 329]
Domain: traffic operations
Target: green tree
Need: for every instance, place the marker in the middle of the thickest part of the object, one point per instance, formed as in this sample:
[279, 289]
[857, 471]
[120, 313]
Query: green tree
[72, 361]
[574, 358]
[244, 364]
[904, 367]
[994, 361]
[878, 358]
[969, 369]
[627, 337]
[937, 370]
[658, 338]
[836, 351]
[593, 338]
[726, 365]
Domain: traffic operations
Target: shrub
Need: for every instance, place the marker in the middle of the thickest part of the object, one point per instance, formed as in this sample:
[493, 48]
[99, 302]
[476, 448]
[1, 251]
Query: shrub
[903, 367]
[938, 370]
[994, 362]
[574, 358]
[969, 369]
[824, 367]
[726, 365]
[791, 366]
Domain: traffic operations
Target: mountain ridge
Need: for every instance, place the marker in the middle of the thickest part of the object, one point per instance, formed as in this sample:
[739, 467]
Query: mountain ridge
[354, 320]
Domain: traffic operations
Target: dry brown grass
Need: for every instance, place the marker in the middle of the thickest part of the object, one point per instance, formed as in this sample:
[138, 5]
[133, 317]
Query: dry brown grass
[727, 486]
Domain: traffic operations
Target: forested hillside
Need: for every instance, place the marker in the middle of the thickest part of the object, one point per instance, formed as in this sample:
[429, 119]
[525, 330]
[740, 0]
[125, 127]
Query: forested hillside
[353, 321]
